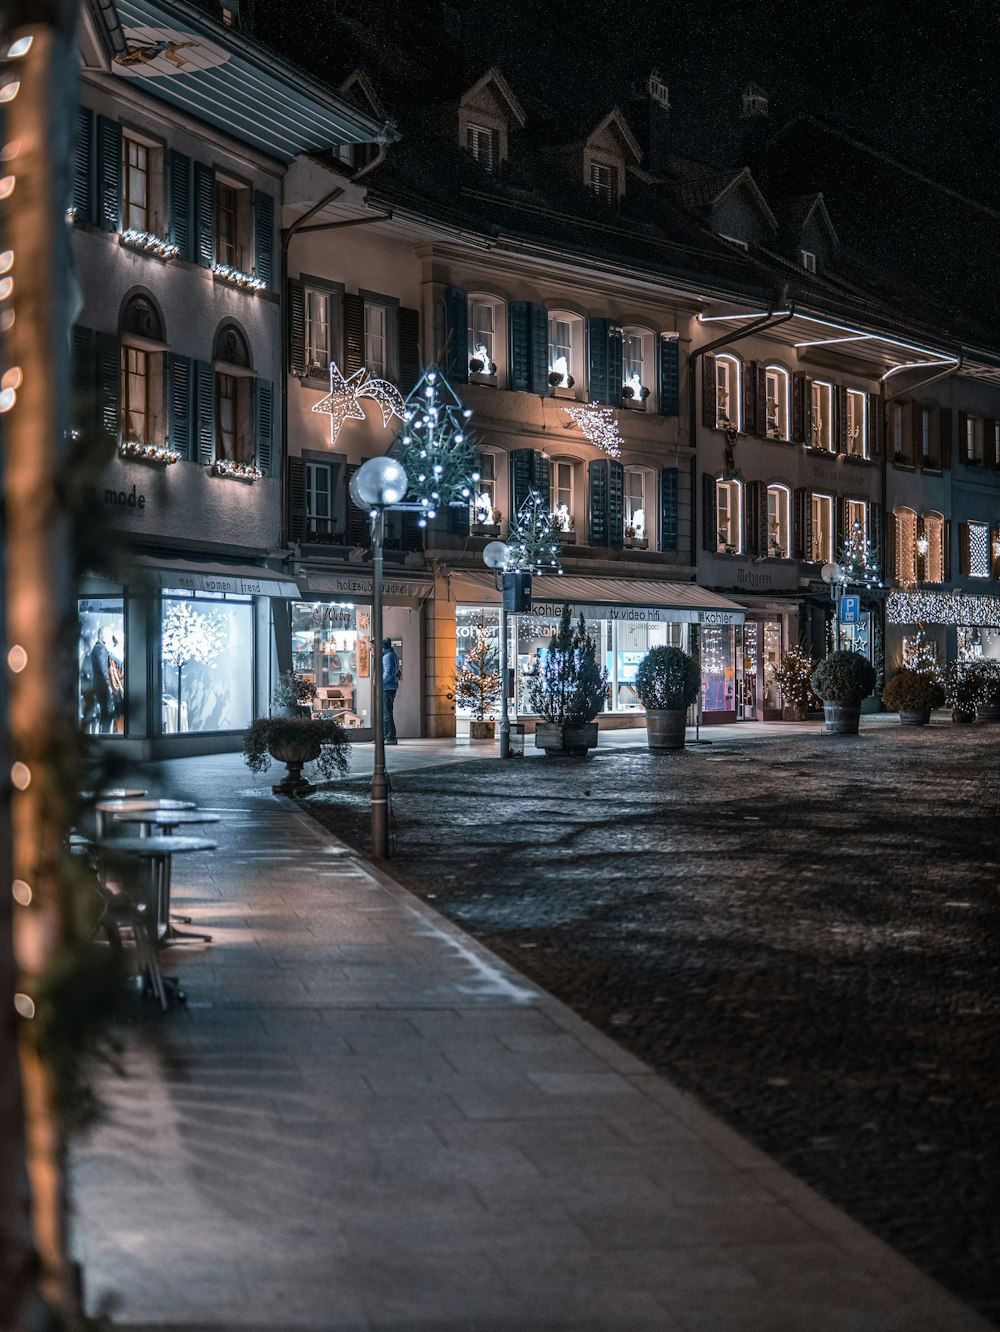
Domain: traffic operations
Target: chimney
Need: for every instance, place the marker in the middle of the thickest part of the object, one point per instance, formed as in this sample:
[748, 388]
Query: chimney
[754, 130]
[651, 99]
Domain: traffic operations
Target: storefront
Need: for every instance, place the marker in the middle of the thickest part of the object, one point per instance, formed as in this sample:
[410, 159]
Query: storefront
[738, 663]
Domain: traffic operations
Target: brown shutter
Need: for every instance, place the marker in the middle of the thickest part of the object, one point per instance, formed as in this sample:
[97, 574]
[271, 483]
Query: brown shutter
[709, 533]
[748, 374]
[358, 532]
[947, 550]
[994, 560]
[800, 408]
[354, 333]
[840, 431]
[944, 435]
[709, 407]
[297, 530]
[760, 418]
[891, 545]
[873, 419]
[840, 525]
[801, 524]
[963, 440]
[991, 454]
[916, 434]
[964, 549]
[408, 333]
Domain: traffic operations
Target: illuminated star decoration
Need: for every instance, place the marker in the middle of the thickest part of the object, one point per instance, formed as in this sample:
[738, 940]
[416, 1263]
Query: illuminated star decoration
[341, 403]
[599, 425]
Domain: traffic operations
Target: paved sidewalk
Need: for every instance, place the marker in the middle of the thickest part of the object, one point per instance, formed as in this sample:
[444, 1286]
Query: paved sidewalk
[364, 1121]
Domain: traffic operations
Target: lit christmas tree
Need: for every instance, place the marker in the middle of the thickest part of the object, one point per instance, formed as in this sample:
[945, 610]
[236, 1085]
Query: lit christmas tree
[920, 653]
[435, 447]
[860, 560]
[477, 680]
[532, 541]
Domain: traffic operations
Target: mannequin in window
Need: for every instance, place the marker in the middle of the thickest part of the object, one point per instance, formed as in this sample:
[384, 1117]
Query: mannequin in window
[104, 694]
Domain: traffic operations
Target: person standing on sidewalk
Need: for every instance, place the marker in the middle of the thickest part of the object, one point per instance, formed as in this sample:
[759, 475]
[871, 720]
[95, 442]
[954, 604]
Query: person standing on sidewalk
[390, 683]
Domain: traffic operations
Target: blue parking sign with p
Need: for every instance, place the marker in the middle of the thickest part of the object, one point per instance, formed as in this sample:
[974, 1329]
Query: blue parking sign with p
[850, 610]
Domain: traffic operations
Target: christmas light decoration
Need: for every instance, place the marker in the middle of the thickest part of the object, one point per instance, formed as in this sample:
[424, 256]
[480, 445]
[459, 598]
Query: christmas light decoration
[135, 449]
[910, 607]
[341, 403]
[599, 424]
[532, 541]
[148, 243]
[238, 471]
[435, 448]
[920, 654]
[859, 560]
[476, 684]
[238, 278]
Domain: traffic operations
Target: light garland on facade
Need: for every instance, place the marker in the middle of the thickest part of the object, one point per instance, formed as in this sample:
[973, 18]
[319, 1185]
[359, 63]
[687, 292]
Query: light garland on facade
[532, 542]
[135, 449]
[860, 560]
[239, 471]
[149, 243]
[911, 607]
[600, 426]
[238, 278]
[435, 448]
[342, 402]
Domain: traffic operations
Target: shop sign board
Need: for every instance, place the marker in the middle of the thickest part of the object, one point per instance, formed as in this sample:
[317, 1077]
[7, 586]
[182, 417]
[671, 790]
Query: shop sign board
[639, 614]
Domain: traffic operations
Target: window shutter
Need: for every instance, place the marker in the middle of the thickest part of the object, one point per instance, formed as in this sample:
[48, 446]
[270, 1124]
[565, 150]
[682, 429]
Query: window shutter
[541, 477]
[670, 378]
[944, 431]
[801, 524]
[994, 561]
[297, 529]
[296, 327]
[539, 338]
[263, 236]
[760, 402]
[616, 504]
[598, 384]
[964, 549]
[408, 329]
[840, 528]
[873, 420]
[109, 174]
[749, 386]
[963, 430]
[916, 434]
[456, 306]
[800, 408]
[358, 531]
[991, 458]
[709, 406]
[109, 384]
[756, 517]
[709, 513]
[597, 474]
[354, 333]
[458, 519]
[520, 349]
[840, 436]
[179, 202]
[204, 215]
[947, 550]
[891, 546]
[264, 424]
[616, 364]
[874, 531]
[412, 534]
[204, 411]
[83, 165]
[522, 478]
[82, 378]
[669, 501]
[179, 419]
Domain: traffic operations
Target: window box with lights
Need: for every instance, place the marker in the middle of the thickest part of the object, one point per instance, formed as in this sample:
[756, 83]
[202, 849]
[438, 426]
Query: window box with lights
[235, 277]
[635, 543]
[485, 529]
[145, 242]
[235, 471]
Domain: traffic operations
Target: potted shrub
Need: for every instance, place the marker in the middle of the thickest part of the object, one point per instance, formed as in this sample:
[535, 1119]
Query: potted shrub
[476, 686]
[667, 683]
[291, 695]
[963, 690]
[567, 689]
[988, 673]
[792, 678]
[914, 695]
[842, 680]
[295, 741]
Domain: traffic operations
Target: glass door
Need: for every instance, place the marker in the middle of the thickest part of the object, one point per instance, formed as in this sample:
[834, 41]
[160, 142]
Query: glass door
[749, 661]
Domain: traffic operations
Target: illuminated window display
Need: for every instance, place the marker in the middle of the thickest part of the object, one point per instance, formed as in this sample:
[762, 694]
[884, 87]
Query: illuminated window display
[331, 646]
[101, 674]
[718, 669]
[206, 662]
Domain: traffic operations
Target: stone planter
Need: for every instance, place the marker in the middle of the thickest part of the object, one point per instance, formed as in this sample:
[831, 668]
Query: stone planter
[962, 715]
[481, 730]
[841, 718]
[913, 718]
[555, 738]
[793, 712]
[294, 755]
[989, 712]
[665, 728]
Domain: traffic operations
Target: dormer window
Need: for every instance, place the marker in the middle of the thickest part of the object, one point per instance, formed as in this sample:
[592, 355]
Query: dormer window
[482, 144]
[487, 114]
[604, 182]
[808, 260]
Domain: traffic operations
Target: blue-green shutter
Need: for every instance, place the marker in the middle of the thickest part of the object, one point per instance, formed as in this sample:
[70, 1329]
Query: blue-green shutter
[82, 378]
[109, 174]
[83, 165]
[264, 424]
[520, 346]
[204, 215]
[204, 411]
[669, 500]
[616, 504]
[597, 480]
[670, 379]
[522, 478]
[616, 355]
[456, 307]
[458, 519]
[709, 514]
[542, 477]
[539, 321]
[179, 202]
[597, 345]
[263, 236]
[408, 332]
[109, 384]
[179, 416]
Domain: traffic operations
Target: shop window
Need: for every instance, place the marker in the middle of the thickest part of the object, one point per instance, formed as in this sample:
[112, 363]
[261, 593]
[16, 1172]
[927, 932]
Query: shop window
[638, 516]
[728, 394]
[821, 425]
[562, 478]
[905, 524]
[101, 665]
[638, 368]
[779, 507]
[487, 339]
[821, 547]
[565, 350]
[777, 403]
[856, 514]
[319, 499]
[857, 424]
[933, 524]
[729, 517]
[318, 323]
[331, 647]
[718, 669]
[206, 663]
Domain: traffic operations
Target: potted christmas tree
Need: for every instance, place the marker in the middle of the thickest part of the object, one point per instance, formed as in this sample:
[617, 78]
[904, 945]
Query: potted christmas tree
[987, 671]
[963, 690]
[842, 680]
[477, 686]
[667, 684]
[567, 689]
[792, 678]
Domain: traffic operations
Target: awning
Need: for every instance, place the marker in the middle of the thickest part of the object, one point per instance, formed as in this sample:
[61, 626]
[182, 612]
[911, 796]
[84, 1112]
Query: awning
[627, 600]
[358, 587]
[196, 576]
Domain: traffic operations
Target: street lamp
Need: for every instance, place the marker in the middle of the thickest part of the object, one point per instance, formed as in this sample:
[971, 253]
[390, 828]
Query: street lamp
[375, 486]
[835, 577]
[496, 556]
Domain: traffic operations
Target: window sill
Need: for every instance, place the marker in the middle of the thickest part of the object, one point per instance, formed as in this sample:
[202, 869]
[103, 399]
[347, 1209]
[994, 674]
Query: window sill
[819, 451]
[488, 381]
[904, 466]
[314, 382]
[855, 458]
[635, 543]
[935, 468]
[484, 530]
[155, 455]
[630, 405]
[235, 471]
[729, 552]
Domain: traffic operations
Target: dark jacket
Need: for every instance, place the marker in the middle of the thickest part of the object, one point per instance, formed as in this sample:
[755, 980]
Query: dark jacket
[390, 669]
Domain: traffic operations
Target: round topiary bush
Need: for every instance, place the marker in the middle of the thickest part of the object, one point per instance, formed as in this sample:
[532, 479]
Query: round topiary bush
[913, 691]
[843, 677]
[667, 678]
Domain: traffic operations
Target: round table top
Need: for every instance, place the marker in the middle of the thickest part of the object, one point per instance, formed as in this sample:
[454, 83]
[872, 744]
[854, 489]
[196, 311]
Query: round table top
[117, 793]
[155, 846]
[133, 806]
[172, 818]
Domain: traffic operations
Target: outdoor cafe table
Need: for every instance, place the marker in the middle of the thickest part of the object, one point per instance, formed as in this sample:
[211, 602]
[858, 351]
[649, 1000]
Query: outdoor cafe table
[122, 806]
[158, 852]
[165, 821]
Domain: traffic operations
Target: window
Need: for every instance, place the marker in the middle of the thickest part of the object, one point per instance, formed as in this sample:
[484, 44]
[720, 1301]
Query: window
[561, 495]
[857, 424]
[905, 521]
[207, 663]
[482, 337]
[808, 260]
[777, 402]
[481, 143]
[101, 657]
[728, 517]
[973, 443]
[779, 504]
[376, 340]
[319, 499]
[898, 449]
[136, 212]
[821, 547]
[319, 349]
[638, 519]
[857, 521]
[604, 181]
[225, 433]
[565, 350]
[934, 558]
[484, 500]
[822, 415]
[925, 437]
[135, 371]
[226, 225]
[979, 550]
[637, 367]
[727, 392]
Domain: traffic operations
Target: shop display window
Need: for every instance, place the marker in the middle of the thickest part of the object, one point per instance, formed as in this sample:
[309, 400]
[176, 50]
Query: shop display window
[206, 662]
[470, 621]
[718, 669]
[101, 662]
[331, 646]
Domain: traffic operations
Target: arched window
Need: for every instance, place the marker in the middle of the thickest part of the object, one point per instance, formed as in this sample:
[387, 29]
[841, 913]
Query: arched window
[930, 546]
[639, 511]
[638, 368]
[728, 517]
[562, 495]
[728, 392]
[778, 403]
[566, 352]
[487, 339]
[905, 526]
[143, 343]
[232, 348]
[821, 421]
[779, 522]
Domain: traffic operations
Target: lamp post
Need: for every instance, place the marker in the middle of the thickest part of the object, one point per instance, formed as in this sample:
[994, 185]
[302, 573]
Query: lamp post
[496, 556]
[377, 485]
[835, 576]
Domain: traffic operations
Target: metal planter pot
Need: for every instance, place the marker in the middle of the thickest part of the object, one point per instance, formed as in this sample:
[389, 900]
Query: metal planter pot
[665, 728]
[841, 718]
[555, 738]
[481, 730]
[914, 718]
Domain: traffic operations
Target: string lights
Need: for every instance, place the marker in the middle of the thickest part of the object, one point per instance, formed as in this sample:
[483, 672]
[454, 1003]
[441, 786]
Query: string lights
[238, 471]
[860, 560]
[435, 448]
[135, 449]
[599, 424]
[148, 243]
[532, 541]
[238, 278]
[911, 607]
[342, 402]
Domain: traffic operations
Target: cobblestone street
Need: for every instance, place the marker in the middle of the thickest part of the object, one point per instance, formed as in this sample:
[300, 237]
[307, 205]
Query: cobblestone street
[804, 931]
